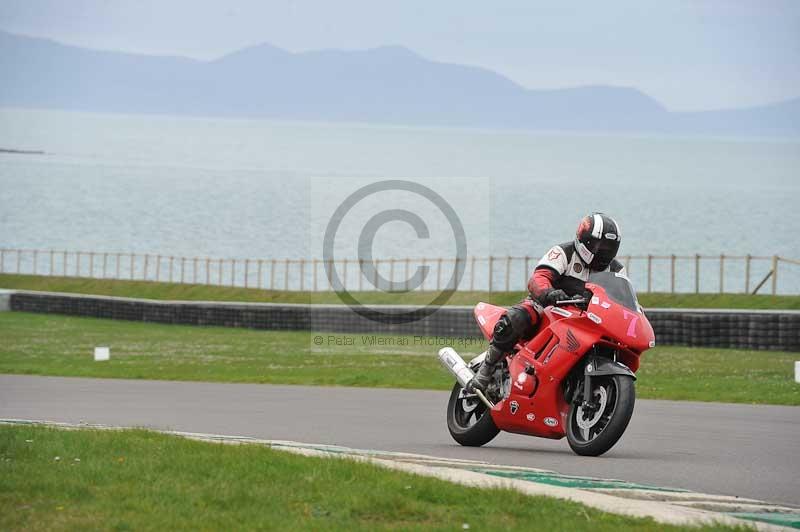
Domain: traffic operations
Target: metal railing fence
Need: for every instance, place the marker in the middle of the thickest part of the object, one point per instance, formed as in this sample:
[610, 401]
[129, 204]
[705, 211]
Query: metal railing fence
[659, 273]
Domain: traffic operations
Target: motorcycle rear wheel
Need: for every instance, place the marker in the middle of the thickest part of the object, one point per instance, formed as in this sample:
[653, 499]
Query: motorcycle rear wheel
[469, 421]
[594, 433]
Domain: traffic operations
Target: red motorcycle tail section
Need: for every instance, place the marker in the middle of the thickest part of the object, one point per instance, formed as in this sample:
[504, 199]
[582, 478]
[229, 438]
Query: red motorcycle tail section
[487, 316]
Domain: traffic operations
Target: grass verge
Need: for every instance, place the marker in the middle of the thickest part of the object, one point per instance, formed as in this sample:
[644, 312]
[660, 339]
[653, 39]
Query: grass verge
[47, 344]
[176, 291]
[53, 479]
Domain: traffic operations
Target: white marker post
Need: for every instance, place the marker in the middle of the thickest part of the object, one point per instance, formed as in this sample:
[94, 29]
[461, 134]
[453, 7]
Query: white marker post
[101, 353]
[797, 371]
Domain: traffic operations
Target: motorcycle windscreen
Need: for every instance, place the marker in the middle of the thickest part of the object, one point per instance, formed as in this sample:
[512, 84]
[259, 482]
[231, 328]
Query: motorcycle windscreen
[617, 287]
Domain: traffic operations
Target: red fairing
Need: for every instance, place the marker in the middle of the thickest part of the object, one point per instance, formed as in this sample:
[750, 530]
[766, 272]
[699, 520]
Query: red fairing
[630, 328]
[535, 403]
[541, 281]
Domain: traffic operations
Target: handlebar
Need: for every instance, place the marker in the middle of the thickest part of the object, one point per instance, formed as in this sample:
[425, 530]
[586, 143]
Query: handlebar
[577, 301]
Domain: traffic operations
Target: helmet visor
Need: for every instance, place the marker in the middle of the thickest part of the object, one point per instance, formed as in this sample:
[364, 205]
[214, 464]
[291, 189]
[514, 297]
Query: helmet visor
[604, 252]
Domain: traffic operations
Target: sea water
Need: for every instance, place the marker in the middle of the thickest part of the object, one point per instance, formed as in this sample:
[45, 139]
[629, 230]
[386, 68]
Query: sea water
[267, 189]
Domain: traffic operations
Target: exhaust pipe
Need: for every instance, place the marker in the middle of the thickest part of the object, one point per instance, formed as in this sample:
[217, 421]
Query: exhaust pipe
[453, 363]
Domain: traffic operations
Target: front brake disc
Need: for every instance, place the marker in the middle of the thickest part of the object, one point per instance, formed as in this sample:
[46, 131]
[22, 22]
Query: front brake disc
[592, 421]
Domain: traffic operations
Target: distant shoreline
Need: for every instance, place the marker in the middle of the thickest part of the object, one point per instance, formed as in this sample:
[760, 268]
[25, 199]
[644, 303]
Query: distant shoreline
[22, 152]
[737, 138]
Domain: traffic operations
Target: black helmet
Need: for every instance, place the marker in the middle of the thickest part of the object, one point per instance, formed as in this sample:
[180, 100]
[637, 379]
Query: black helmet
[597, 240]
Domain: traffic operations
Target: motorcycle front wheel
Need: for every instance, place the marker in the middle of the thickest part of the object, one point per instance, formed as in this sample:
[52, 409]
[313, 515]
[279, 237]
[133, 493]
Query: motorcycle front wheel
[593, 431]
[468, 419]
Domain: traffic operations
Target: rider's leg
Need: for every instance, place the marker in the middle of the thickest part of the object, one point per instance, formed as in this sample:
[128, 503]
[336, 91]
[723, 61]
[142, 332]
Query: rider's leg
[519, 322]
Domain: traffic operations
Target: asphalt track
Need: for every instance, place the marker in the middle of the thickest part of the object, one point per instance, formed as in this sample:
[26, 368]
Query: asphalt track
[741, 450]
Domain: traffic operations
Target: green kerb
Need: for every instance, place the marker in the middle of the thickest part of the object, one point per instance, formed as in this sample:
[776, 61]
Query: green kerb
[555, 479]
[773, 518]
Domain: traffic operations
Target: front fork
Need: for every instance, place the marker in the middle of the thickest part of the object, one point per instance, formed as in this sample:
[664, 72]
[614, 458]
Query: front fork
[587, 392]
[599, 367]
[586, 399]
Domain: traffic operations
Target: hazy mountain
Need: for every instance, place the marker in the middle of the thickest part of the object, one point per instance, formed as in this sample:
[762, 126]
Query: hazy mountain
[388, 84]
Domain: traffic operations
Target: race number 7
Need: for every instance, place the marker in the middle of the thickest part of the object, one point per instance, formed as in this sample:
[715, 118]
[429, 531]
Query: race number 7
[632, 324]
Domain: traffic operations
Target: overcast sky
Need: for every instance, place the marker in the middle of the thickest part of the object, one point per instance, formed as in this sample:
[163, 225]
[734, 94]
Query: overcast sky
[689, 54]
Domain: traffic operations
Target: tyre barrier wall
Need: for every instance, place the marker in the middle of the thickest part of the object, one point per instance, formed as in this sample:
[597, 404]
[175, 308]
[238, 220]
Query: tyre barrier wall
[746, 329]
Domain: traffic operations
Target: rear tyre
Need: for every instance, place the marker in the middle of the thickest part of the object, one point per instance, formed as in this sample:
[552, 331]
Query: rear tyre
[469, 421]
[593, 432]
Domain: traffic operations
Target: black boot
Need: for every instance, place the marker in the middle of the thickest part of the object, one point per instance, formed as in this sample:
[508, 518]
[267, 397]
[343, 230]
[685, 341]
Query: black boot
[485, 372]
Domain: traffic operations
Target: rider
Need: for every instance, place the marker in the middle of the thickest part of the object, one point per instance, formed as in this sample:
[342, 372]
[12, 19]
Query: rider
[560, 275]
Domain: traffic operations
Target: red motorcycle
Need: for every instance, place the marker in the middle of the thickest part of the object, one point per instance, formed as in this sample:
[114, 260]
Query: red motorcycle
[574, 378]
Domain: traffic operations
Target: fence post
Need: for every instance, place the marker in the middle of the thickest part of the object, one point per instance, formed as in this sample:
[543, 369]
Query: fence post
[721, 273]
[472, 275]
[314, 275]
[286, 275]
[438, 274]
[219, 273]
[260, 268]
[375, 276]
[360, 274]
[183, 269]
[344, 274]
[391, 271]
[246, 272]
[649, 274]
[508, 271]
[35, 260]
[774, 274]
[233, 271]
[194, 270]
[64, 266]
[208, 271]
[105, 262]
[697, 273]
[132, 264]
[2, 260]
[302, 274]
[406, 272]
[52, 262]
[171, 260]
[491, 272]
[628, 264]
[748, 258]
[272, 275]
[456, 276]
[116, 264]
[146, 265]
[527, 269]
[19, 260]
[672, 274]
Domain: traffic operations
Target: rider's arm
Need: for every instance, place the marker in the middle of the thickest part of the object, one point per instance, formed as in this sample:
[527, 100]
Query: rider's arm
[549, 269]
[541, 281]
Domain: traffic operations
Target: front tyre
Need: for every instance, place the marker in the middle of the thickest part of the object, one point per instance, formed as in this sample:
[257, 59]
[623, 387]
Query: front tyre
[593, 431]
[469, 421]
